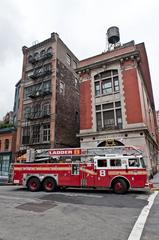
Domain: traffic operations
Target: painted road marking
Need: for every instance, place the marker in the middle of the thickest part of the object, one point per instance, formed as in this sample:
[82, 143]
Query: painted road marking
[139, 225]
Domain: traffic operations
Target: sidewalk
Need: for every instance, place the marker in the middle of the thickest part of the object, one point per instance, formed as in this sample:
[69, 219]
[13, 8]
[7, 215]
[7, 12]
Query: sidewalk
[155, 181]
[3, 180]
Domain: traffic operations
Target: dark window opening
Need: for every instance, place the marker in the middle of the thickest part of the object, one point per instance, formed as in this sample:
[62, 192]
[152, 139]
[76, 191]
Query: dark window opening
[115, 162]
[6, 144]
[102, 163]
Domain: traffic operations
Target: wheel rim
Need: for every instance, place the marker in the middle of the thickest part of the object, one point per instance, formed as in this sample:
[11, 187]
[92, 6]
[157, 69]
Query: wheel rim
[48, 185]
[33, 185]
[118, 187]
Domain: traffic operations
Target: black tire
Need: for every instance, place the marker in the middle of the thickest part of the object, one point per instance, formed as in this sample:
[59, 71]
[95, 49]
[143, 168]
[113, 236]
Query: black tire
[49, 184]
[120, 186]
[33, 184]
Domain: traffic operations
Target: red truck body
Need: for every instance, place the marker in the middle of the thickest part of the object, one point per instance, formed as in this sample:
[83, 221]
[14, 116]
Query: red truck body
[116, 172]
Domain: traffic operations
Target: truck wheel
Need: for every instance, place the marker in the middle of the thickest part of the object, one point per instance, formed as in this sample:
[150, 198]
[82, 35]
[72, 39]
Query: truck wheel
[49, 184]
[120, 186]
[33, 184]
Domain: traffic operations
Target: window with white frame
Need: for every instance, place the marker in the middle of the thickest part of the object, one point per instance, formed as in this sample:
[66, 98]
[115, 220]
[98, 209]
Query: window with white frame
[106, 83]
[109, 116]
[46, 109]
[46, 132]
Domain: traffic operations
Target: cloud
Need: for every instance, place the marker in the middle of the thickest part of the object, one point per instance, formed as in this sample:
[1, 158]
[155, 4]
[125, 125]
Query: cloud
[10, 30]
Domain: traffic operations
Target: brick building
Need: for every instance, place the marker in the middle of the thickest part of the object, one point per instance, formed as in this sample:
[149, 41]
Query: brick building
[116, 101]
[7, 151]
[157, 117]
[47, 97]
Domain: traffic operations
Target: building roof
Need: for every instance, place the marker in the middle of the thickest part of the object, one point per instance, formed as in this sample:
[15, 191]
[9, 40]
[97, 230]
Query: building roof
[8, 129]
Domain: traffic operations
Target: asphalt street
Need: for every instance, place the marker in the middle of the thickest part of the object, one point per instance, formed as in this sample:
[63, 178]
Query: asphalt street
[72, 214]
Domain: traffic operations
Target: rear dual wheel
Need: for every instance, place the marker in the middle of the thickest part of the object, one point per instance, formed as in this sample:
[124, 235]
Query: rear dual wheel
[49, 184]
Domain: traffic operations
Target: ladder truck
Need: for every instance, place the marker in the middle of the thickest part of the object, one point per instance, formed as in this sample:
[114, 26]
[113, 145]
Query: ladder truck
[116, 168]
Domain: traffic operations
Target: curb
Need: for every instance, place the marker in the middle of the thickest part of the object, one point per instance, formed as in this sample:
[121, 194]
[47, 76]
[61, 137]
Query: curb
[154, 189]
[6, 184]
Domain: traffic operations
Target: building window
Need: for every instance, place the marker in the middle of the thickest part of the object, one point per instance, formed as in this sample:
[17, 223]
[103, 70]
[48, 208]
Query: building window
[46, 133]
[108, 119]
[36, 56]
[49, 50]
[108, 116]
[4, 165]
[97, 88]
[42, 53]
[47, 68]
[76, 82]
[36, 134]
[37, 110]
[68, 59]
[6, 145]
[74, 65]
[30, 74]
[26, 135]
[106, 86]
[27, 112]
[106, 83]
[30, 58]
[47, 86]
[62, 88]
[46, 109]
[99, 121]
[27, 92]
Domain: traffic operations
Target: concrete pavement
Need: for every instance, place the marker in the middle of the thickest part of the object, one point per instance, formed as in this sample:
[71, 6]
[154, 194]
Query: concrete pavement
[155, 181]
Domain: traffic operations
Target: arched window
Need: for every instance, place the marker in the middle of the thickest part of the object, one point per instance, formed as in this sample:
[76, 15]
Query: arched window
[36, 55]
[30, 58]
[49, 50]
[6, 144]
[42, 53]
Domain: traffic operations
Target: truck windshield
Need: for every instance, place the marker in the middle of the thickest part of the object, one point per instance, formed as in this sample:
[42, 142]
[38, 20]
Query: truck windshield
[142, 163]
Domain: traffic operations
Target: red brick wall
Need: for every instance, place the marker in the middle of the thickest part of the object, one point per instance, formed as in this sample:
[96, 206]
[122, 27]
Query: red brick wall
[132, 97]
[11, 137]
[85, 105]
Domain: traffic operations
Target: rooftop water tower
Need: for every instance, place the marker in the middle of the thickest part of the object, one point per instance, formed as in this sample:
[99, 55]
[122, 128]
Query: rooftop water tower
[113, 37]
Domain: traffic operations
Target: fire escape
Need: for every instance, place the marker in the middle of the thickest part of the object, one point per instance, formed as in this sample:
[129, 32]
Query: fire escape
[39, 113]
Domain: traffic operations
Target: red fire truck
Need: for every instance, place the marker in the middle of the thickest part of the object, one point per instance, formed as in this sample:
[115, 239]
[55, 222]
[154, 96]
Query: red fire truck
[119, 172]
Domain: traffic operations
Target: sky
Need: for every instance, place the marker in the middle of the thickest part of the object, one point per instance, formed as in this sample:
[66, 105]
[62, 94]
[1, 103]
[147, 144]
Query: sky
[81, 24]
